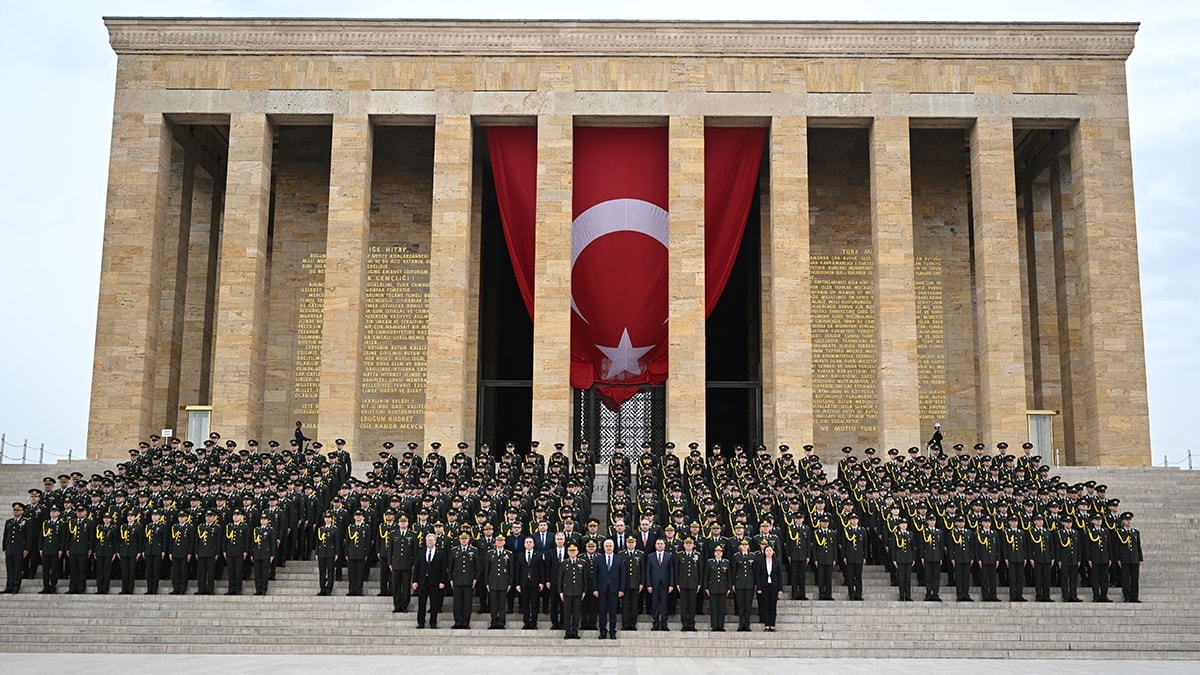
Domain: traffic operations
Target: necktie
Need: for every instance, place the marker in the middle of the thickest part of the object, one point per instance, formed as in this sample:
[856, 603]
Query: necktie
[660, 558]
[609, 562]
[528, 558]
[429, 557]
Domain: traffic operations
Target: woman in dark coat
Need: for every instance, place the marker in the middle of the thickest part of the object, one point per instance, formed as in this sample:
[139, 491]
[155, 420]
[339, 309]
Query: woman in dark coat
[768, 582]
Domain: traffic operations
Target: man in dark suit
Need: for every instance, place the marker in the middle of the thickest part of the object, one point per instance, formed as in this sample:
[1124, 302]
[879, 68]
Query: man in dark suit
[609, 588]
[660, 581]
[529, 581]
[430, 574]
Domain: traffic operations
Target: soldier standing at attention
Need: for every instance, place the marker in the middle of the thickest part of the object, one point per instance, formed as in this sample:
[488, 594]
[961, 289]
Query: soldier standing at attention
[1041, 552]
[689, 573]
[853, 554]
[464, 574]
[263, 553]
[358, 544]
[932, 550]
[960, 548]
[16, 548]
[79, 549]
[1014, 549]
[402, 545]
[635, 562]
[718, 582]
[572, 584]
[498, 576]
[903, 555]
[987, 557]
[387, 528]
[236, 548]
[824, 552]
[105, 550]
[53, 544]
[180, 548]
[798, 544]
[208, 548]
[329, 542]
[129, 550]
[1129, 557]
[155, 551]
[1099, 556]
[1068, 557]
[744, 567]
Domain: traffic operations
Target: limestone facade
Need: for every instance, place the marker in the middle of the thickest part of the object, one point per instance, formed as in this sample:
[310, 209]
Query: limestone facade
[295, 207]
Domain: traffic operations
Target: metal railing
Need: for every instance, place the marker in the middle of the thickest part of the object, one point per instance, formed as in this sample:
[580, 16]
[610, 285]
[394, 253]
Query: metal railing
[23, 453]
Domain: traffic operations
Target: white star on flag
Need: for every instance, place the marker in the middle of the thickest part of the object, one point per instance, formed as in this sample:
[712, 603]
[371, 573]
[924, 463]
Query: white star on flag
[624, 357]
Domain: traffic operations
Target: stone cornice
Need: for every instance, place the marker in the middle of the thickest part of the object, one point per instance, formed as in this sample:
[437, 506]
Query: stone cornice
[383, 37]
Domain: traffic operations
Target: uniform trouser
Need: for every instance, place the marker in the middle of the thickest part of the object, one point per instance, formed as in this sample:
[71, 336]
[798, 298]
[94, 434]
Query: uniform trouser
[572, 608]
[206, 575]
[687, 607]
[854, 572]
[933, 578]
[608, 610]
[962, 580]
[768, 601]
[1041, 580]
[356, 568]
[262, 575]
[556, 607]
[385, 577]
[128, 573]
[325, 574]
[1016, 581]
[904, 579]
[742, 599]
[920, 572]
[482, 594]
[797, 570]
[154, 571]
[718, 602]
[529, 604]
[14, 568]
[237, 574]
[179, 574]
[401, 588]
[31, 564]
[658, 608]
[587, 609]
[629, 610]
[825, 581]
[78, 565]
[430, 596]
[1129, 581]
[1099, 581]
[463, 595]
[497, 598]
[1069, 580]
[50, 570]
[987, 580]
[103, 573]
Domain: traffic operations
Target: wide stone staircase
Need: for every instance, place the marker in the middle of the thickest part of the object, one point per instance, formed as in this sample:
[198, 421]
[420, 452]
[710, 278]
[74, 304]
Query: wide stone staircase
[291, 619]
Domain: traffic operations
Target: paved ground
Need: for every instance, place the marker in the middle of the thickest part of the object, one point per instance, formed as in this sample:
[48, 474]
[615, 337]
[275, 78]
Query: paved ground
[92, 664]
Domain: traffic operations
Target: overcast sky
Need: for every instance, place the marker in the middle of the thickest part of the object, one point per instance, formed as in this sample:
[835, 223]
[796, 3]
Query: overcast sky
[58, 70]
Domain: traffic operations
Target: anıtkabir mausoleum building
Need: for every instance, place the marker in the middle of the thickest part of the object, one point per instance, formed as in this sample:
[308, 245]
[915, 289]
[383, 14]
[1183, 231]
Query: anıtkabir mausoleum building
[490, 231]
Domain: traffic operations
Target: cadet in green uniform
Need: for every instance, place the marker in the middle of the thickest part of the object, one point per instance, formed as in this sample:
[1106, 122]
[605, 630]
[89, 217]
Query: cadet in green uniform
[358, 544]
[386, 529]
[263, 553]
[464, 574]
[1099, 556]
[960, 548]
[53, 545]
[903, 555]
[181, 546]
[572, 584]
[1129, 557]
[799, 541]
[498, 576]
[155, 551]
[635, 561]
[16, 548]
[853, 555]
[1068, 556]
[932, 547]
[402, 546]
[718, 583]
[208, 548]
[329, 542]
[689, 573]
[1040, 549]
[236, 549]
[986, 546]
[824, 553]
[79, 549]
[130, 542]
[1013, 543]
[744, 564]
[105, 550]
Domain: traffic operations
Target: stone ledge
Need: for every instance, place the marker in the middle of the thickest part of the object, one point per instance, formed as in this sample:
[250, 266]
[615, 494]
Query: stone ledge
[627, 38]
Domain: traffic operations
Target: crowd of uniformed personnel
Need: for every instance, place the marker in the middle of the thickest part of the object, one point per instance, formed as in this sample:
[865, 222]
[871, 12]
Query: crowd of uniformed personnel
[498, 533]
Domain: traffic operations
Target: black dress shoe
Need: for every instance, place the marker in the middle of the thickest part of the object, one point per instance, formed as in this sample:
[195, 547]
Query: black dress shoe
[603, 636]
[612, 636]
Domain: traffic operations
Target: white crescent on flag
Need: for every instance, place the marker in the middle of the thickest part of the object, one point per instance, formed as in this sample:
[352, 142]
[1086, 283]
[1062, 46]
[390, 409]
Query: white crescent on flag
[617, 215]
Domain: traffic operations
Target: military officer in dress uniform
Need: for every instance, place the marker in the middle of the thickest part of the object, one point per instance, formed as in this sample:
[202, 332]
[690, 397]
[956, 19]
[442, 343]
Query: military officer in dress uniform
[1068, 556]
[104, 548]
[53, 544]
[932, 549]
[402, 546]
[79, 549]
[1014, 545]
[236, 549]
[208, 548]
[129, 550]
[1099, 555]
[718, 584]
[824, 552]
[16, 548]
[799, 542]
[358, 545]
[635, 561]
[573, 583]
[744, 568]
[386, 529]
[903, 554]
[1129, 557]
[689, 574]
[181, 546]
[498, 576]
[986, 547]
[961, 550]
[155, 550]
[853, 555]
[263, 553]
[465, 570]
[1040, 547]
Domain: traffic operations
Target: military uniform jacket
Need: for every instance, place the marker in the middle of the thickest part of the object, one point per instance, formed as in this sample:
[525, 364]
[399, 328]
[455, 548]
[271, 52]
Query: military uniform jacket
[1128, 545]
[156, 538]
[16, 536]
[1013, 542]
[573, 577]
[932, 544]
[689, 570]
[903, 547]
[498, 570]
[1039, 545]
[329, 541]
[718, 575]
[960, 546]
[986, 547]
[1099, 551]
[401, 548]
[208, 540]
[635, 562]
[263, 543]
[1068, 547]
[358, 541]
[799, 542]
[79, 536]
[825, 545]
[237, 539]
[743, 569]
[854, 545]
[182, 542]
[465, 566]
[130, 539]
[105, 540]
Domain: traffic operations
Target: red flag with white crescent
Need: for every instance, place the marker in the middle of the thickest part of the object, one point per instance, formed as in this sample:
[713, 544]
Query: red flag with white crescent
[619, 259]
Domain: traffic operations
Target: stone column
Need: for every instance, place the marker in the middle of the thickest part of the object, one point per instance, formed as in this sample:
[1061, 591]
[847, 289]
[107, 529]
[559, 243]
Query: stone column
[895, 283]
[346, 244]
[1000, 337]
[686, 395]
[448, 396]
[239, 353]
[1113, 424]
[552, 398]
[788, 372]
[128, 316]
